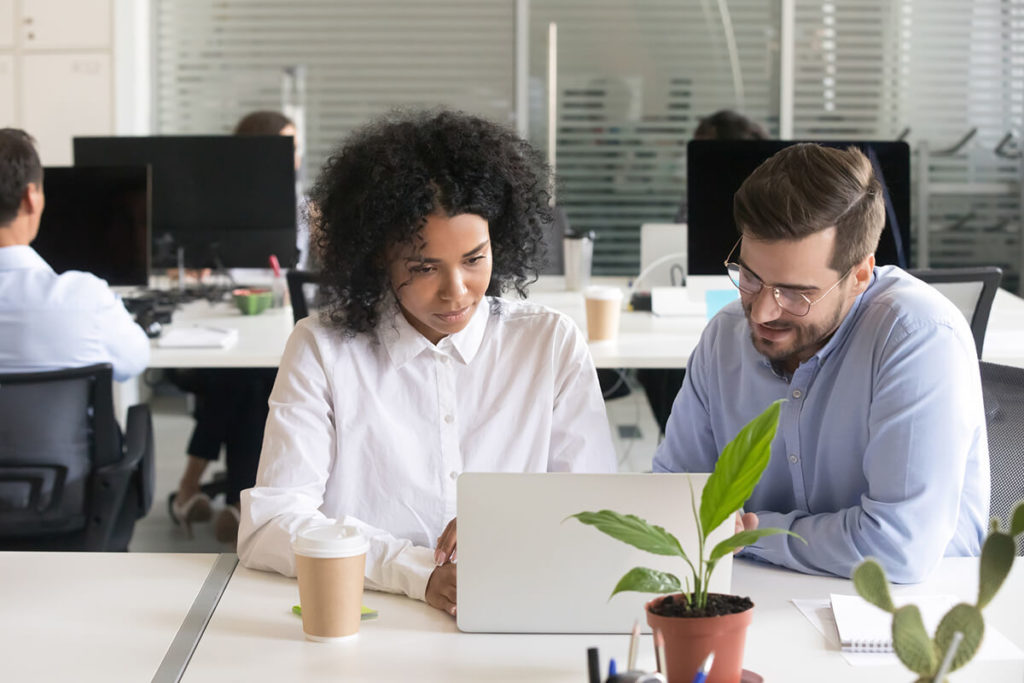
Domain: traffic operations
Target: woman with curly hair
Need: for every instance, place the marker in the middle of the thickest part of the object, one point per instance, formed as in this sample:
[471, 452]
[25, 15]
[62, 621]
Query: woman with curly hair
[415, 371]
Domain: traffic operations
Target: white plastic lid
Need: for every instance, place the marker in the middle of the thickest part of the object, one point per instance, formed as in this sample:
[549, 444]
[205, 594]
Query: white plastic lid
[603, 292]
[336, 540]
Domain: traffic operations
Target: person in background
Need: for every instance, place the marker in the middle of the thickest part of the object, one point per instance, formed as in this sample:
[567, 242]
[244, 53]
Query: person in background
[276, 123]
[416, 371]
[231, 403]
[881, 449]
[50, 321]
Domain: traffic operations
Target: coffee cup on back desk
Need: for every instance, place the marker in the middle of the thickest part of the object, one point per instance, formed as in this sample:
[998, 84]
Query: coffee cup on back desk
[603, 307]
[330, 562]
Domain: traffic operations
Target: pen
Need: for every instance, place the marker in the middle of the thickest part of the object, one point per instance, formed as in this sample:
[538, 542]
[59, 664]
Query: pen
[612, 669]
[634, 643]
[593, 665]
[275, 264]
[954, 645]
[702, 672]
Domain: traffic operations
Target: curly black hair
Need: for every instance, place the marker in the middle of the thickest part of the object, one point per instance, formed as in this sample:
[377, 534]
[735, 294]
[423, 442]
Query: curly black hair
[384, 181]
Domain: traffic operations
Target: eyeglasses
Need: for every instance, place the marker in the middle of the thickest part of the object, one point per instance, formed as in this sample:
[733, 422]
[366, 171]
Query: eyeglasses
[789, 300]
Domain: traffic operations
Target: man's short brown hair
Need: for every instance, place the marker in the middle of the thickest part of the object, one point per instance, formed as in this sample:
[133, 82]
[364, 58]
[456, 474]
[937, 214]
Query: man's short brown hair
[807, 188]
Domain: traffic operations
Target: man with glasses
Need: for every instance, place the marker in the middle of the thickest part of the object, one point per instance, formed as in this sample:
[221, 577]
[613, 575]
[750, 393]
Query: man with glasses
[881, 449]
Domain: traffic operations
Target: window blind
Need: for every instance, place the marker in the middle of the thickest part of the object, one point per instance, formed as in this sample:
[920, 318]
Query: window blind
[217, 60]
[936, 70]
[633, 80]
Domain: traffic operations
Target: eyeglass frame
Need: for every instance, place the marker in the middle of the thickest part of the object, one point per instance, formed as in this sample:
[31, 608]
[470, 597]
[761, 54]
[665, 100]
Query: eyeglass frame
[775, 288]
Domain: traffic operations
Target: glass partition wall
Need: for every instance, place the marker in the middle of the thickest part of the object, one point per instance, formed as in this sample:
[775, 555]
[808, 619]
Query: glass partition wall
[632, 79]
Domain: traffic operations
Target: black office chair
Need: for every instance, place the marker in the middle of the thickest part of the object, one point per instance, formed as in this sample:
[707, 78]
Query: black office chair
[299, 282]
[1003, 388]
[971, 289]
[68, 481]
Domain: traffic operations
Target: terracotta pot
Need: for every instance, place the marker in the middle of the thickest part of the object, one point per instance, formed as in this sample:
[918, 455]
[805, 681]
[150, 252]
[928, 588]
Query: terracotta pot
[688, 640]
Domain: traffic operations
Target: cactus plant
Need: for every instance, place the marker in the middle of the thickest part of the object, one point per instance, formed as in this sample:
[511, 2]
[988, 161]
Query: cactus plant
[910, 641]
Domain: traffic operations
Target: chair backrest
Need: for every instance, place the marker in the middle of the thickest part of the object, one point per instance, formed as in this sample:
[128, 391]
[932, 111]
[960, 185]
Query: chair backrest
[55, 428]
[971, 289]
[1003, 388]
[303, 290]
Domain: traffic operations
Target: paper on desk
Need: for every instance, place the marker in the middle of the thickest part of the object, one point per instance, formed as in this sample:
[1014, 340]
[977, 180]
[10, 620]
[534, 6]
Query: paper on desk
[994, 646]
[198, 336]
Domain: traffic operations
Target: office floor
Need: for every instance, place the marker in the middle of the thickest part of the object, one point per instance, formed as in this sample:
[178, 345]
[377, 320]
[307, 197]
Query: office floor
[633, 429]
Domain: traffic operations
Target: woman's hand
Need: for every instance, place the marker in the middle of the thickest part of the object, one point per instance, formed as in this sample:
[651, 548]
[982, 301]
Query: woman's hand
[446, 546]
[441, 589]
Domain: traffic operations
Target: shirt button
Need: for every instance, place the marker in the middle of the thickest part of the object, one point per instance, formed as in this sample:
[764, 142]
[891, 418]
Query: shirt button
[449, 418]
[793, 458]
[454, 475]
[797, 393]
[446, 360]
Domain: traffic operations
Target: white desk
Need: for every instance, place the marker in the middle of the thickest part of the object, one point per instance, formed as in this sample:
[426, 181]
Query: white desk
[253, 636]
[93, 616]
[644, 341]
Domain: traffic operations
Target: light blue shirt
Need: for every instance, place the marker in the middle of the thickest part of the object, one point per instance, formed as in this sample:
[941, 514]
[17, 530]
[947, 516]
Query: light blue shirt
[50, 321]
[881, 449]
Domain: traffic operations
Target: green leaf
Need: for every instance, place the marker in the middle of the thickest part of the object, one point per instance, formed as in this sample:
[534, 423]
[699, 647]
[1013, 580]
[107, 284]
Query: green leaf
[911, 641]
[1017, 520]
[744, 538]
[967, 620]
[644, 580]
[634, 531]
[870, 582]
[738, 469]
[996, 561]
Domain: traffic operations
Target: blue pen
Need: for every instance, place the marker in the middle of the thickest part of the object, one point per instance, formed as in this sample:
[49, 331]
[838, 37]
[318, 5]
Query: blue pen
[705, 668]
[612, 669]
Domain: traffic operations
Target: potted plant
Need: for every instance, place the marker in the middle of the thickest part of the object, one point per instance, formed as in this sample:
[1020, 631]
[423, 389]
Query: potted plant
[933, 658]
[693, 621]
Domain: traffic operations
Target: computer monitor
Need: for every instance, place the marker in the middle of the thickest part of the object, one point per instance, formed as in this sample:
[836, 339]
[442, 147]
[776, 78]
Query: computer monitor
[228, 201]
[96, 219]
[715, 169]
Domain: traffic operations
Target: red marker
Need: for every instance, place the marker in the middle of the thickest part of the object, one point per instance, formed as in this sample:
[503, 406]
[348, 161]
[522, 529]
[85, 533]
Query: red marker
[275, 265]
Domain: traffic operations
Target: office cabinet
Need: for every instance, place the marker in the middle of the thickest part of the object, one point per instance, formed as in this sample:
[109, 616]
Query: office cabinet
[82, 105]
[6, 24]
[6, 90]
[59, 24]
[56, 71]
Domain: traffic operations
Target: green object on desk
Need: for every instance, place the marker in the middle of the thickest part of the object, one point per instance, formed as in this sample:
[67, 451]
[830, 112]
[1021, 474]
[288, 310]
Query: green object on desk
[367, 613]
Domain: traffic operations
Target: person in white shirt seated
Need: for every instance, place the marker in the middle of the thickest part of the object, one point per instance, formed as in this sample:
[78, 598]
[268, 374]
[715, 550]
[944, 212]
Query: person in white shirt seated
[415, 371]
[50, 321]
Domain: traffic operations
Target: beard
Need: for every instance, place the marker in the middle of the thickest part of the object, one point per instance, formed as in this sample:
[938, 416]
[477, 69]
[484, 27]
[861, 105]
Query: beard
[802, 342]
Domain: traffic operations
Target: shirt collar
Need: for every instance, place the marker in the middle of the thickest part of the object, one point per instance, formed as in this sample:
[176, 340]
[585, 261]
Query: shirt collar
[21, 257]
[403, 342]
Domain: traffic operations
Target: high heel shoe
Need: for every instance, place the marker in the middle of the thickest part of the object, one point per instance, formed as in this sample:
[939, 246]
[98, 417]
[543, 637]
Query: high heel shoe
[195, 509]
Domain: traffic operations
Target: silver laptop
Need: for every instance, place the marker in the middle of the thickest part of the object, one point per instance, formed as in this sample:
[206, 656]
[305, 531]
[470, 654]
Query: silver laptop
[522, 569]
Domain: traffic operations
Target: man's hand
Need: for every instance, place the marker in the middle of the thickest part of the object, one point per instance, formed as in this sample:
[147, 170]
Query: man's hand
[746, 521]
[446, 546]
[441, 588]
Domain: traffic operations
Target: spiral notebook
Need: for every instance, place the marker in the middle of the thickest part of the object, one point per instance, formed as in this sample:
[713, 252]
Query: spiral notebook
[863, 627]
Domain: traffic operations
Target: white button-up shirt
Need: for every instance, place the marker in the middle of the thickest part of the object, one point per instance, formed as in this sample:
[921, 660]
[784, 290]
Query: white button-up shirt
[373, 431]
[50, 321]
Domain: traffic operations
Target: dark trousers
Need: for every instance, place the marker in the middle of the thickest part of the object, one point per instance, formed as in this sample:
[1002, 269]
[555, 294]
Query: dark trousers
[662, 386]
[231, 411]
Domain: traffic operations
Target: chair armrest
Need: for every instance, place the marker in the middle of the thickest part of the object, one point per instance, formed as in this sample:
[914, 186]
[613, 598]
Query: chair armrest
[111, 483]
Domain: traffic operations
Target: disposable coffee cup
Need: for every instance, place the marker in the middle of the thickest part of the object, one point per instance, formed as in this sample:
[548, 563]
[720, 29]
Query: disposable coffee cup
[603, 307]
[330, 562]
